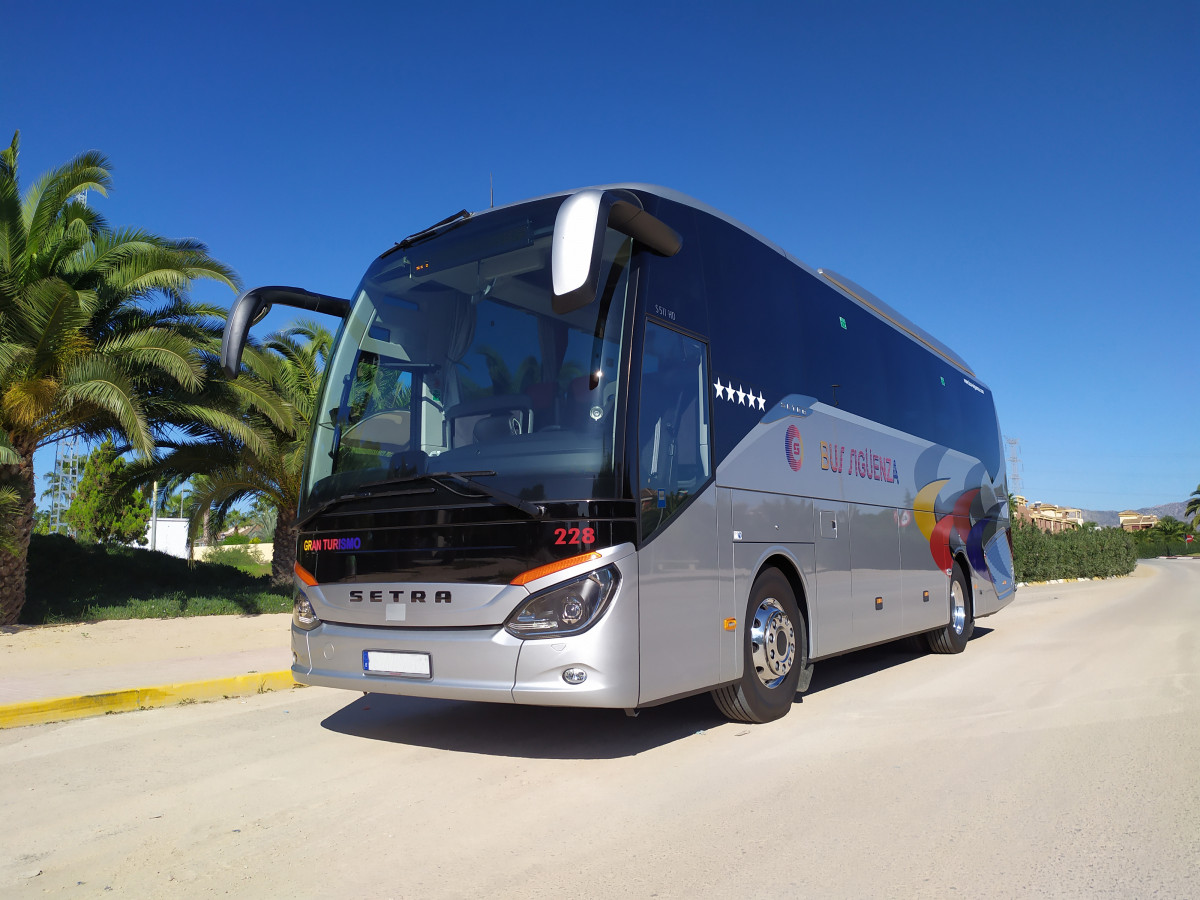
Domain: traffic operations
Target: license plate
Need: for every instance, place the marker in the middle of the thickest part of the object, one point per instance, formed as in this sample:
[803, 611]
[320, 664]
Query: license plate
[390, 662]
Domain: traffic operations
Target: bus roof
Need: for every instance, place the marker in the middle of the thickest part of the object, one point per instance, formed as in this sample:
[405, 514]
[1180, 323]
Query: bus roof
[850, 289]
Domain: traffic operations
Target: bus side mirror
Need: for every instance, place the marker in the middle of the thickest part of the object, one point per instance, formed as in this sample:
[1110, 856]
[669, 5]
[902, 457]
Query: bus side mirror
[250, 308]
[579, 241]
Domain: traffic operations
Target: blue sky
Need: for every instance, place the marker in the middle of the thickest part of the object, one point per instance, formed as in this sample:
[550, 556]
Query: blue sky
[1021, 179]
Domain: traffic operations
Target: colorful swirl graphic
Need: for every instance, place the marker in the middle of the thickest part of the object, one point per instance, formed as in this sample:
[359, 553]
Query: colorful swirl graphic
[968, 526]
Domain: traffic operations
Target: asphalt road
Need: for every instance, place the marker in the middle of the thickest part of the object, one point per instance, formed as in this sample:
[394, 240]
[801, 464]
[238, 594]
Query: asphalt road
[1058, 756]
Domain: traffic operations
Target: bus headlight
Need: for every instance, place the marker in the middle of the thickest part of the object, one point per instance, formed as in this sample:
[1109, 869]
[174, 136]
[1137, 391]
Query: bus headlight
[304, 616]
[566, 609]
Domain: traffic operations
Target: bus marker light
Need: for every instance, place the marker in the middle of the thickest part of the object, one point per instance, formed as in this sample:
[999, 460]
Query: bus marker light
[551, 568]
[304, 575]
[574, 676]
[731, 624]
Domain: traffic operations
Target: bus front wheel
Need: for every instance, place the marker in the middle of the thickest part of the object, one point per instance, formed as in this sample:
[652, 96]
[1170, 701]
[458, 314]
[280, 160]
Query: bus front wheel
[775, 651]
[953, 638]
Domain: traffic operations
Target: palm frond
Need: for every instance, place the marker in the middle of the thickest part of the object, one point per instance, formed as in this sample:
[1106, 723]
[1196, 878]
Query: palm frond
[8, 453]
[158, 348]
[97, 384]
[44, 200]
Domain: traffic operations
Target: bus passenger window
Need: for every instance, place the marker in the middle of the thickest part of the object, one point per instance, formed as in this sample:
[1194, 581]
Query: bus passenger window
[674, 460]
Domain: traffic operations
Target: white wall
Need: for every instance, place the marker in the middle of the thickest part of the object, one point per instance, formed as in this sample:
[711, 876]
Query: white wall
[168, 536]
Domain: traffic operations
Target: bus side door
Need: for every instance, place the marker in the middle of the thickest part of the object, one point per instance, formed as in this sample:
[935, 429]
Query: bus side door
[678, 572]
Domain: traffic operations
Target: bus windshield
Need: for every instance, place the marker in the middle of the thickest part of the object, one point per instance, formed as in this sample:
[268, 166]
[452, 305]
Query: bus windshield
[453, 361]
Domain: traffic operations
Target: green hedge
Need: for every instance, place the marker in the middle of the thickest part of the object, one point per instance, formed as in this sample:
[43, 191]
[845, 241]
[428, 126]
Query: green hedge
[1072, 554]
[1154, 547]
[72, 582]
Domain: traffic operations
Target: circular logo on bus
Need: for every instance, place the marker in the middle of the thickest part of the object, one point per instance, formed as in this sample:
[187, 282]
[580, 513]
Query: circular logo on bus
[794, 448]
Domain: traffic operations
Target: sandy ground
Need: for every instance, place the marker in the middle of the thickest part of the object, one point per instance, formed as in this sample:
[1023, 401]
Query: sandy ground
[1057, 756]
[60, 660]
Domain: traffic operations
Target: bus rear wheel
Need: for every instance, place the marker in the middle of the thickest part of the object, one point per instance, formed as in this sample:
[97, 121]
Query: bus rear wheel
[953, 638]
[775, 651]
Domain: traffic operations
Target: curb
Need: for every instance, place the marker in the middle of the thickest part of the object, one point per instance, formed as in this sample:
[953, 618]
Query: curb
[58, 709]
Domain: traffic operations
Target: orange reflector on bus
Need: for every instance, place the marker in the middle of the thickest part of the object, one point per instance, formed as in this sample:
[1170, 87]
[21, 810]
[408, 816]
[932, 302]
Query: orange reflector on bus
[304, 575]
[731, 624]
[551, 568]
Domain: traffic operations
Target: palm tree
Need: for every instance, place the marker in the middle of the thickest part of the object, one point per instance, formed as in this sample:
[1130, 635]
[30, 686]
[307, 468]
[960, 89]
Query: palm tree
[81, 351]
[1170, 527]
[1171, 530]
[276, 393]
[10, 502]
[1193, 508]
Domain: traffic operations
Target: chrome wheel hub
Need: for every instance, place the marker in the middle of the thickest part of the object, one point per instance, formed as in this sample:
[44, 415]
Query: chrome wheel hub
[772, 643]
[958, 609]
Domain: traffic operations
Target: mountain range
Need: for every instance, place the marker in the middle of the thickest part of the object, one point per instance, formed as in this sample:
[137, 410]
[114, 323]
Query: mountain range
[1109, 517]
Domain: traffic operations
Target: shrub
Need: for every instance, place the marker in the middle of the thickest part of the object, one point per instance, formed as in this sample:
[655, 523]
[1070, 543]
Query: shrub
[70, 582]
[1150, 548]
[238, 556]
[1039, 556]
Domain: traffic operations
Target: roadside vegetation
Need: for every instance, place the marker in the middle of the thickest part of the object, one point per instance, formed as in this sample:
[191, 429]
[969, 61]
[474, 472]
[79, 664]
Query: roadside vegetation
[240, 557]
[98, 337]
[1167, 538]
[1080, 553]
[275, 399]
[1091, 552]
[99, 340]
[75, 582]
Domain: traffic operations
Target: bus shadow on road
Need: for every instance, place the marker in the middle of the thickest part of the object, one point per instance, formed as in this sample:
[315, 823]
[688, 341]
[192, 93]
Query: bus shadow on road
[831, 673]
[545, 732]
[535, 732]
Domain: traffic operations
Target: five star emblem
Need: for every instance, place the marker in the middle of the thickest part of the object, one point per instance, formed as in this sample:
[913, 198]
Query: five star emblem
[744, 397]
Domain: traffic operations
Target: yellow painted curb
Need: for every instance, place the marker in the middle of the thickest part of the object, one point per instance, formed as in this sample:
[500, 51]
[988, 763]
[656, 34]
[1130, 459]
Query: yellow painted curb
[38, 712]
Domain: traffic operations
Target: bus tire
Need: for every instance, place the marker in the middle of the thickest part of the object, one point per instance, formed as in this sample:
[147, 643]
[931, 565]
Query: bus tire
[775, 654]
[954, 636]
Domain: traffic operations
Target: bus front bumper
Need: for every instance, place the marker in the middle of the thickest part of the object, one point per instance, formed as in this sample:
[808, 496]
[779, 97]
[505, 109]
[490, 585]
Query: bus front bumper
[483, 664]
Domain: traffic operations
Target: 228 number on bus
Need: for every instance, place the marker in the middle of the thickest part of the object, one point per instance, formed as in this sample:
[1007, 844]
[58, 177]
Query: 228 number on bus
[580, 536]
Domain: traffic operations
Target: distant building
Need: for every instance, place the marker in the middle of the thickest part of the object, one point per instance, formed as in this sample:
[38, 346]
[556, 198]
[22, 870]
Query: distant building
[1133, 521]
[1047, 516]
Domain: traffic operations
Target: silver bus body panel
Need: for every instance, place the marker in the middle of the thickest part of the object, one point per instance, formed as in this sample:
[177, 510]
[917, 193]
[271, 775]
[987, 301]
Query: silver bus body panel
[415, 604]
[607, 652]
[474, 664]
[875, 495]
[749, 559]
[833, 606]
[488, 663]
[390, 603]
[766, 526]
[681, 616]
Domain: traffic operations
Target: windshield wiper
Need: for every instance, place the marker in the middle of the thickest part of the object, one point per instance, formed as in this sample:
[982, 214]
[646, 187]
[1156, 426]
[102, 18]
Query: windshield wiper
[534, 510]
[360, 495]
[461, 216]
[465, 478]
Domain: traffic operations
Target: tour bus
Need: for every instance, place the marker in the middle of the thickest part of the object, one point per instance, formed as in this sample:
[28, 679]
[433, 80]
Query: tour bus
[610, 447]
